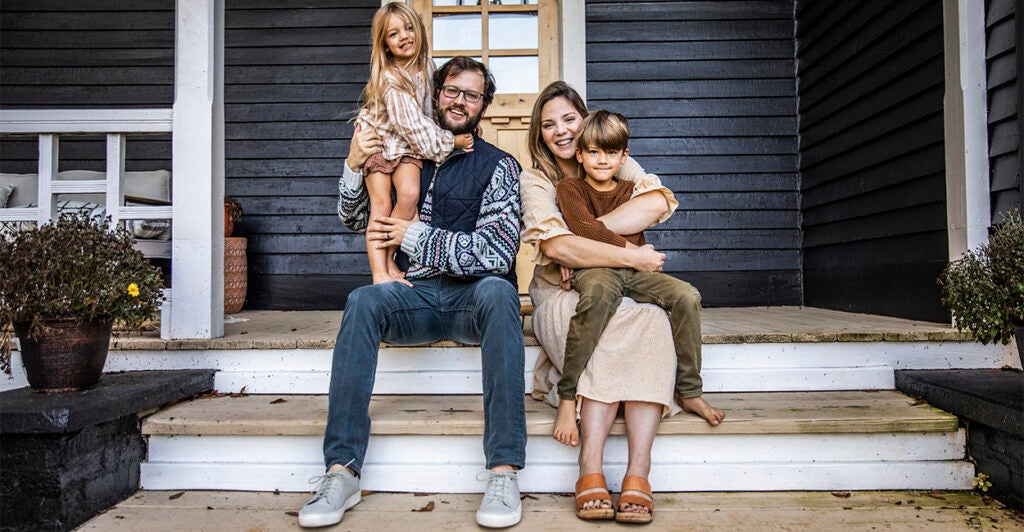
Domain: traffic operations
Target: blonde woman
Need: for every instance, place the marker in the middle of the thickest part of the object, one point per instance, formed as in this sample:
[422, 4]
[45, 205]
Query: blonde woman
[397, 106]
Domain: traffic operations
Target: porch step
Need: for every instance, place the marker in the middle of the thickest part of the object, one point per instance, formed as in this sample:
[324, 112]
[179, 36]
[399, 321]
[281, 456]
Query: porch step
[173, 511]
[838, 440]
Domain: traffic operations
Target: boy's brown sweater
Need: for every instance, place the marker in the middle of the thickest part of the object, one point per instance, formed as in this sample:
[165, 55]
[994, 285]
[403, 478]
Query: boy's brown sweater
[581, 205]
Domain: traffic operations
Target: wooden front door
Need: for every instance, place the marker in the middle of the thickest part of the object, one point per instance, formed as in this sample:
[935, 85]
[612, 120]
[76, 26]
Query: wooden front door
[518, 41]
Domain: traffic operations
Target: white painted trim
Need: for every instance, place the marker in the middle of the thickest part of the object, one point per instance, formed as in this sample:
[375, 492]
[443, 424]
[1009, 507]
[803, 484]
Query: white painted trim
[966, 129]
[197, 256]
[573, 39]
[28, 121]
[421, 370]
[449, 464]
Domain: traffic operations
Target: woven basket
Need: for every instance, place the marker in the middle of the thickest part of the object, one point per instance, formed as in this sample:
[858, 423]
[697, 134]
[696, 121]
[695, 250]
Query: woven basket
[235, 274]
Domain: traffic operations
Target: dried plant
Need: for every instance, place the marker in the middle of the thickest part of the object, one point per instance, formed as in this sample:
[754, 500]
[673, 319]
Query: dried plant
[985, 289]
[77, 267]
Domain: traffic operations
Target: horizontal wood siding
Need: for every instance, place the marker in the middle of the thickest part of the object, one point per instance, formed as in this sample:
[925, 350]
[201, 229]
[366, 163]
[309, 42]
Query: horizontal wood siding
[872, 166]
[86, 54]
[1002, 40]
[710, 93]
[293, 73]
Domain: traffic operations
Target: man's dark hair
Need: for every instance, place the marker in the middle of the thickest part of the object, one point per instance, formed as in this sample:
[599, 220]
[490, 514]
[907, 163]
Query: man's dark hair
[458, 65]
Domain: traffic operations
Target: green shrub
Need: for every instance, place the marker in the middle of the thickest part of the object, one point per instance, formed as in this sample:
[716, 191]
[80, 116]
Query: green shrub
[985, 289]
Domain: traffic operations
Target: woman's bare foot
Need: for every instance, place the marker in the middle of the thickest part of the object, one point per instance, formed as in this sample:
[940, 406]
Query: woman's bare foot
[566, 431]
[697, 405]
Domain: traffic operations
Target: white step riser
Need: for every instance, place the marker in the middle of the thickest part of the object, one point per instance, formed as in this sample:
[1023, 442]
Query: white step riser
[431, 370]
[681, 463]
[456, 370]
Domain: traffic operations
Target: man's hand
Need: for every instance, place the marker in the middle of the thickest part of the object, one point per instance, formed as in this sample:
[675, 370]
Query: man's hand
[365, 142]
[387, 231]
[646, 259]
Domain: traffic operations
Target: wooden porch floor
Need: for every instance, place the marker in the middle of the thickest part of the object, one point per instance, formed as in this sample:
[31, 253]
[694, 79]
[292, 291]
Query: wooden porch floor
[265, 329]
[888, 510]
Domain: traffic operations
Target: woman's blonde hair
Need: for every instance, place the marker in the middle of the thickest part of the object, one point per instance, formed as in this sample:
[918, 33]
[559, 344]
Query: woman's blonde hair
[543, 159]
[384, 70]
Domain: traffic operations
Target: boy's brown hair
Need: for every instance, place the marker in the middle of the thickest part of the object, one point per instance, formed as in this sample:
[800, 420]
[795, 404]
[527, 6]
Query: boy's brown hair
[603, 130]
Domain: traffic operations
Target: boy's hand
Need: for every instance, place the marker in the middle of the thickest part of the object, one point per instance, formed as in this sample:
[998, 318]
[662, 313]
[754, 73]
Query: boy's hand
[566, 272]
[464, 142]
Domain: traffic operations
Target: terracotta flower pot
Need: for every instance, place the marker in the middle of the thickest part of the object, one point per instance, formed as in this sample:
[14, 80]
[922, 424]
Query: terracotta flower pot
[229, 221]
[68, 355]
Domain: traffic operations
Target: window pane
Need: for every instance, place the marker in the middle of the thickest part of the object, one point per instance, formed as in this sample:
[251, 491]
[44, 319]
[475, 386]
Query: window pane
[460, 2]
[458, 32]
[511, 30]
[515, 74]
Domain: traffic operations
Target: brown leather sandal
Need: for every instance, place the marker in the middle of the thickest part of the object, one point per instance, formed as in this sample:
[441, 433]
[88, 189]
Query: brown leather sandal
[593, 487]
[635, 490]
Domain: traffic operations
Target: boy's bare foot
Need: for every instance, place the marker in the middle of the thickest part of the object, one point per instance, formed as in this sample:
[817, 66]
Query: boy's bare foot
[566, 431]
[697, 405]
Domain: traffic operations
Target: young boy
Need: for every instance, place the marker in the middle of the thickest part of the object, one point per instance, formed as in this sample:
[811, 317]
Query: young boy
[601, 149]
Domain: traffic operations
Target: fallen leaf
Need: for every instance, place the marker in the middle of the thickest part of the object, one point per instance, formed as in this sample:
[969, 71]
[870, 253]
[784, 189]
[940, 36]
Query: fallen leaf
[293, 514]
[918, 402]
[366, 493]
[528, 496]
[841, 494]
[936, 495]
[176, 496]
[277, 492]
[278, 401]
[428, 508]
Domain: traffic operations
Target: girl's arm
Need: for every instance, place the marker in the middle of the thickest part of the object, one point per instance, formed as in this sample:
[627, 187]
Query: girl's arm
[425, 137]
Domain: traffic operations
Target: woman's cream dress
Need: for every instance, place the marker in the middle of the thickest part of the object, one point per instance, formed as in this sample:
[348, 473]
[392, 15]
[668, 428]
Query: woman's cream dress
[635, 359]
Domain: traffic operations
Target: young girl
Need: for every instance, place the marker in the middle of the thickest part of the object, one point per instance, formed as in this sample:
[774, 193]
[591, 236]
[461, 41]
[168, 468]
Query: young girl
[397, 105]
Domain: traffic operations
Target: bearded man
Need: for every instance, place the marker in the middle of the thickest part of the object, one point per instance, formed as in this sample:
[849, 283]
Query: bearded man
[460, 285]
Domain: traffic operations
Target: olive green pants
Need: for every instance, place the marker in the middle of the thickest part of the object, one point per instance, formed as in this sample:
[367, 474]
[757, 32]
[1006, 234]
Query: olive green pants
[601, 290]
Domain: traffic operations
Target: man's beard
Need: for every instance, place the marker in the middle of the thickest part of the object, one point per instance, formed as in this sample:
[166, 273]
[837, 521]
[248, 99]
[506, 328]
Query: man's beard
[468, 127]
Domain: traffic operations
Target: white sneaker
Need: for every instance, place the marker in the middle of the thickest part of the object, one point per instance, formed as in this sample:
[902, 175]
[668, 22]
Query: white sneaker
[501, 506]
[338, 492]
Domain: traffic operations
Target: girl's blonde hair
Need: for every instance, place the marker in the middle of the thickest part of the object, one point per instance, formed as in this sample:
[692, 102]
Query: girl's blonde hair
[383, 65]
[543, 159]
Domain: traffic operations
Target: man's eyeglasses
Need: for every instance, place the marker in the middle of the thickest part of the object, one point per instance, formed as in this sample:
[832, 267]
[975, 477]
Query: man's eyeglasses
[453, 92]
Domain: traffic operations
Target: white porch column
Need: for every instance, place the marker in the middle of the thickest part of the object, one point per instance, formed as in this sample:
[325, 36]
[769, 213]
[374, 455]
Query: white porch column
[573, 53]
[197, 255]
[966, 130]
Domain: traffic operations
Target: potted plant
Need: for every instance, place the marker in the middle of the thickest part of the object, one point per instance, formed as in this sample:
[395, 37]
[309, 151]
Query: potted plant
[985, 289]
[62, 286]
[232, 214]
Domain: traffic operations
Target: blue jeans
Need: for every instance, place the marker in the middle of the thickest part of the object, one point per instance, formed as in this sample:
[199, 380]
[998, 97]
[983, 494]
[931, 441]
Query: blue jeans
[481, 311]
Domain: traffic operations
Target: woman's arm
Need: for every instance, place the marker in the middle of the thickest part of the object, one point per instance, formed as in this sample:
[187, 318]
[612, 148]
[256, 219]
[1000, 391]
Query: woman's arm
[650, 205]
[578, 252]
[637, 214]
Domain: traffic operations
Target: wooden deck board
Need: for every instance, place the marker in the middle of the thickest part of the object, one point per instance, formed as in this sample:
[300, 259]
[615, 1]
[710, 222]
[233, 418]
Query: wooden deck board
[747, 413]
[903, 510]
[265, 329]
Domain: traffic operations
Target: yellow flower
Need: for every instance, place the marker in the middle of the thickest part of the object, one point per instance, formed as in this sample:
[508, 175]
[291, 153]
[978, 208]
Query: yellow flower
[133, 290]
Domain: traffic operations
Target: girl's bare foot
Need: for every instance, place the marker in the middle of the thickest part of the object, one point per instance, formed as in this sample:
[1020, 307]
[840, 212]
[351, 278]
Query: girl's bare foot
[566, 431]
[697, 405]
[394, 273]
